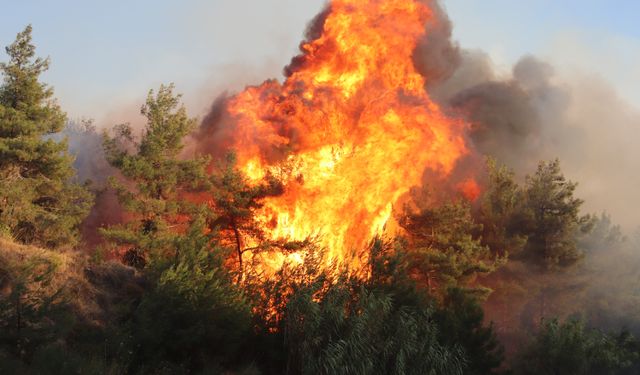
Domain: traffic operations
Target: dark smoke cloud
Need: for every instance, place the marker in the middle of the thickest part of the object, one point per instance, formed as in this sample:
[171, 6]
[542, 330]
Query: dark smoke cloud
[437, 56]
[215, 134]
[313, 32]
[519, 120]
[536, 114]
[510, 119]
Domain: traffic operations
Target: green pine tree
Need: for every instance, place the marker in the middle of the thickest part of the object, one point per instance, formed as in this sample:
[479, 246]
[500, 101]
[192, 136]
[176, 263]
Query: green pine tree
[447, 251]
[333, 323]
[193, 319]
[39, 203]
[573, 348]
[460, 320]
[501, 211]
[156, 179]
[553, 217]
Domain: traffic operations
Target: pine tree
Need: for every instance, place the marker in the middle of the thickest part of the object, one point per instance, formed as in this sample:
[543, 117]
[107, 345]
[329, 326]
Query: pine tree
[193, 318]
[460, 320]
[38, 201]
[573, 348]
[235, 202]
[554, 217]
[156, 179]
[447, 251]
[345, 325]
[501, 211]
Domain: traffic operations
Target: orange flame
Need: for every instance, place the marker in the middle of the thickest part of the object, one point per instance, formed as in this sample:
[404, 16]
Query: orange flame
[350, 130]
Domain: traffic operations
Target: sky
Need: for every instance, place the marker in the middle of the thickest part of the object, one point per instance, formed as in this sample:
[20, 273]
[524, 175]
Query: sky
[107, 55]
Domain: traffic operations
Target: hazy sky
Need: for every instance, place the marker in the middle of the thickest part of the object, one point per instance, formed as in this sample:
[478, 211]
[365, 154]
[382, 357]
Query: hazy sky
[107, 54]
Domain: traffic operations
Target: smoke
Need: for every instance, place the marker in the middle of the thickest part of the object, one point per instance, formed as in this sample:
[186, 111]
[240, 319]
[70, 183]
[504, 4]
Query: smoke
[437, 56]
[536, 114]
[92, 168]
[216, 131]
[518, 120]
[313, 32]
[85, 144]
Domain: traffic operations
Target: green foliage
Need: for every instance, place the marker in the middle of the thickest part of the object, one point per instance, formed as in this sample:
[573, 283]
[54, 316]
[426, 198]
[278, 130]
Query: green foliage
[332, 322]
[501, 211]
[355, 331]
[446, 249]
[540, 221]
[572, 348]
[42, 329]
[38, 202]
[553, 217]
[32, 312]
[156, 179]
[347, 326]
[193, 317]
[459, 317]
[460, 321]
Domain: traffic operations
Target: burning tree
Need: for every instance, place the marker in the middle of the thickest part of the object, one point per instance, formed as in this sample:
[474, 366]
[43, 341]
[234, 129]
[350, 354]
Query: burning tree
[348, 132]
[235, 202]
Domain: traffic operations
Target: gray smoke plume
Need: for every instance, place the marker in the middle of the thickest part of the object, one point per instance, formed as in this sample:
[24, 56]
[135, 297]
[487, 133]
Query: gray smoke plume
[535, 114]
[85, 144]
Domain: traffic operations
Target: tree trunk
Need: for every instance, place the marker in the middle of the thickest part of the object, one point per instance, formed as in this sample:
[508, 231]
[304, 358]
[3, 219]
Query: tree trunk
[236, 232]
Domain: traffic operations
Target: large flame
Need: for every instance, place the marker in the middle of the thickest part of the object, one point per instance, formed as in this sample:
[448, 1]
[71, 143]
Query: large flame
[350, 130]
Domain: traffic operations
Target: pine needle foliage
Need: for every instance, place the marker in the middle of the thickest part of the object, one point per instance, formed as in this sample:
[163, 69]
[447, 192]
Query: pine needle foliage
[155, 179]
[39, 202]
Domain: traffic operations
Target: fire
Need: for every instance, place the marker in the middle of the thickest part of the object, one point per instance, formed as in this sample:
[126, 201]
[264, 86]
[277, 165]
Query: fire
[350, 130]
[469, 189]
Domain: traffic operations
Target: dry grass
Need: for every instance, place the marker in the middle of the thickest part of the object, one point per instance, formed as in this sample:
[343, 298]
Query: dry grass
[47, 273]
[91, 290]
[30, 263]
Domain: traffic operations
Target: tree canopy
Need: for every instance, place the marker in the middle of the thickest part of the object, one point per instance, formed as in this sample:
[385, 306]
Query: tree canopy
[156, 180]
[39, 201]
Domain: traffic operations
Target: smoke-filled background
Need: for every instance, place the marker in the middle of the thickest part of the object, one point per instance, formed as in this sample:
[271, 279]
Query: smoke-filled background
[531, 112]
[528, 90]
